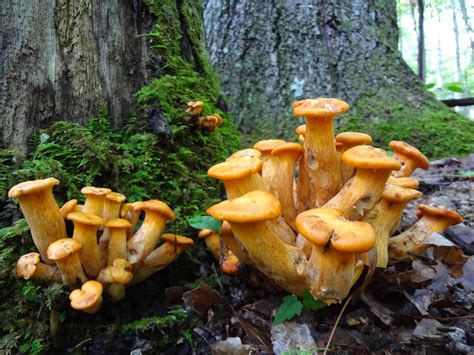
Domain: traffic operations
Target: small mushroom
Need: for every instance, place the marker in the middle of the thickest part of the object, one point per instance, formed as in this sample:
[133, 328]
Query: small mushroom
[213, 242]
[230, 264]
[41, 212]
[194, 108]
[412, 241]
[131, 212]
[250, 152]
[210, 122]
[65, 253]
[301, 131]
[85, 231]
[265, 147]
[157, 213]
[112, 206]
[363, 191]
[117, 246]
[410, 157]
[162, 256]
[88, 298]
[406, 182]
[333, 268]
[29, 267]
[320, 154]
[95, 199]
[251, 217]
[115, 276]
[70, 206]
[348, 140]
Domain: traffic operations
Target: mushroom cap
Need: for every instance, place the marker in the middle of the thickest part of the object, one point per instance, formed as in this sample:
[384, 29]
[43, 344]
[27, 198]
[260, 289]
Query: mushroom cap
[119, 272]
[26, 265]
[396, 193]
[368, 157]
[115, 197]
[321, 225]
[353, 138]
[425, 210]
[289, 148]
[177, 239]
[408, 182]
[301, 130]
[235, 168]
[160, 207]
[89, 294]
[85, 218]
[254, 206]
[250, 152]
[118, 223]
[226, 228]
[411, 152]
[30, 187]
[204, 233]
[267, 145]
[68, 207]
[62, 248]
[320, 107]
[218, 119]
[98, 191]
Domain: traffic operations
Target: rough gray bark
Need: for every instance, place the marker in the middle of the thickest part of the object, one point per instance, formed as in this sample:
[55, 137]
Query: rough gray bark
[65, 59]
[270, 53]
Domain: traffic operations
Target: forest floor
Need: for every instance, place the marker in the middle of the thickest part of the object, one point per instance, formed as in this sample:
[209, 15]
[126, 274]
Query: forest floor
[423, 305]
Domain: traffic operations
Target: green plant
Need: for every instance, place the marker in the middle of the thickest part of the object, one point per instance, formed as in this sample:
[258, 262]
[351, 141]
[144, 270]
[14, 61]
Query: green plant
[292, 307]
[205, 222]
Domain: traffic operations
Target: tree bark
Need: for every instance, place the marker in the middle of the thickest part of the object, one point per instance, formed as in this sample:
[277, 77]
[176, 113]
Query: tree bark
[459, 76]
[65, 59]
[421, 40]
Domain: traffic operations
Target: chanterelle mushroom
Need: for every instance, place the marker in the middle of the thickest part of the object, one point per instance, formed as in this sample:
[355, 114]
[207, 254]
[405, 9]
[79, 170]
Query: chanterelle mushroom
[410, 157]
[95, 198]
[88, 298]
[41, 212]
[65, 253]
[29, 267]
[194, 108]
[115, 277]
[332, 268]
[321, 159]
[347, 141]
[251, 217]
[265, 147]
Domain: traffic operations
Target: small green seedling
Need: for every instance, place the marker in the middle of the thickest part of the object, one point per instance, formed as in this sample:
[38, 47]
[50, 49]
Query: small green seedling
[292, 307]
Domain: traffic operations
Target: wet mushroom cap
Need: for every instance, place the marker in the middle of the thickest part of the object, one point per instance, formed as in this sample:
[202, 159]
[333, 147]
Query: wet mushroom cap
[368, 157]
[288, 147]
[250, 152]
[26, 265]
[160, 207]
[317, 224]
[301, 130]
[320, 107]
[254, 206]
[87, 296]
[84, 218]
[396, 193]
[30, 187]
[425, 210]
[118, 223]
[63, 248]
[353, 138]
[235, 168]
[409, 151]
[407, 182]
[267, 145]
[353, 237]
[177, 239]
[115, 197]
[98, 191]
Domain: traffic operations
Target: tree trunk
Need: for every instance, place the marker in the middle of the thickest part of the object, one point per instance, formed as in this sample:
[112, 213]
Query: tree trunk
[66, 59]
[421, 40]
[458, 75]
[469, 28]
[270, 53]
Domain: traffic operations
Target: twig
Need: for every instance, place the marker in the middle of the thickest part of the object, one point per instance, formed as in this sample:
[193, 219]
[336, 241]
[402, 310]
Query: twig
[333, 331]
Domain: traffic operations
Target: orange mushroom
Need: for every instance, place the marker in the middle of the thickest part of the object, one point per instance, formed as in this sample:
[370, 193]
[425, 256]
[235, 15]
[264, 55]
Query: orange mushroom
[29, 267]
[410, 157]
[348, 140]
[95, 198]
[65, 252]
[88, 298]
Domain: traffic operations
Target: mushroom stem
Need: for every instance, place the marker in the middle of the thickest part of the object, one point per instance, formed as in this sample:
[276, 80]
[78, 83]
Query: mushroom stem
[233, 244]
[41, 212]
[239, 187]
[303, 187]
[117, 246]
[29, 267]
[269, 162]
[95, 199]
[65, 253]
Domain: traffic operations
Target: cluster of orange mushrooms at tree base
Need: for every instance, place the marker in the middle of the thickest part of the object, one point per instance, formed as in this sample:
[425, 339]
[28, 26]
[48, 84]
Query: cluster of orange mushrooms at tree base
[312, 216]
[105, 251]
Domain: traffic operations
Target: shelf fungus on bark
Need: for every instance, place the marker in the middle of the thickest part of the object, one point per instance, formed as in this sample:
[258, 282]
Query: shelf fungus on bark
[252, 218]
[30, 267]
[41, 213]
[349, 140]
[162, 256]
[157, 213]
[387, 218]
[410, 157]
[363, 191]
[88, 298]
[239, 175]
[333, 267]
[412, 241]
[319, 149]
[65, 252]
[95, 199]
[85, 231]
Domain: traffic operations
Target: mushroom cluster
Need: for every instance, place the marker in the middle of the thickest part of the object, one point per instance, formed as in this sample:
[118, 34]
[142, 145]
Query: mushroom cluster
[210, 122]
[313, 215]
[105, 250]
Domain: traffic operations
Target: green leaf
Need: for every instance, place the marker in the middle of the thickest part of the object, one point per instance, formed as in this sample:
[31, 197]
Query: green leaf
[430, 86]
[310, 304]
[290, 307]
[454, 88]
[468, 174]
[205, 222]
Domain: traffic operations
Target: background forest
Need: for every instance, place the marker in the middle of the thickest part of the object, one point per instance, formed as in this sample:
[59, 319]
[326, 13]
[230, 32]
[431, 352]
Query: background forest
[95, 93]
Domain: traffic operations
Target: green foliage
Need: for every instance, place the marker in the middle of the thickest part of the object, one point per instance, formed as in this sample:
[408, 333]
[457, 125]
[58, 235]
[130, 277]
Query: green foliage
[205, 222]
[292, 307]
[311, 304]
